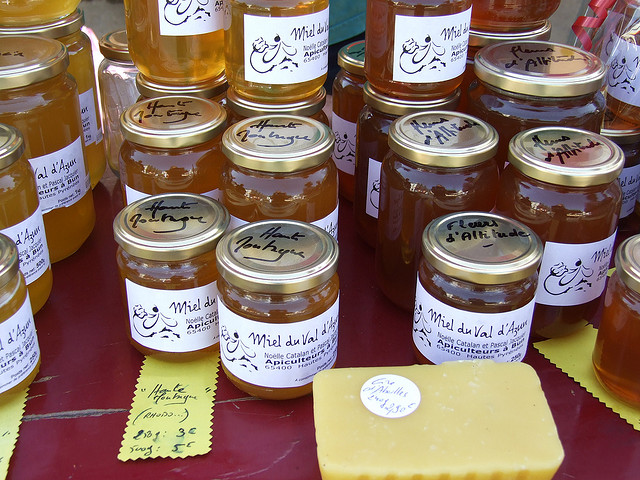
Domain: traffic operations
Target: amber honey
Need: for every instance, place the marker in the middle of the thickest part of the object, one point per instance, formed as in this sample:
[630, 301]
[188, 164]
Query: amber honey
[511, 15]
[31, 12]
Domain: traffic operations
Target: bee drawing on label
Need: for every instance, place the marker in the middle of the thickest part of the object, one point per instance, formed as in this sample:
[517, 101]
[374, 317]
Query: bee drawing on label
[562, 279]
[179, 12]
[421, 329]
[417, 57]
[153, 323]
[266, 57]
[235, 350]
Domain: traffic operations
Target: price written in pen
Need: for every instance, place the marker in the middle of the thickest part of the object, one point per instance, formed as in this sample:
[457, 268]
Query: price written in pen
[151, 443]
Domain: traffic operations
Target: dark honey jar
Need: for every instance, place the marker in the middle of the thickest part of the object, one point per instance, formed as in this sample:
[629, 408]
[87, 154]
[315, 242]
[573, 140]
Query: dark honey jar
[510, 15]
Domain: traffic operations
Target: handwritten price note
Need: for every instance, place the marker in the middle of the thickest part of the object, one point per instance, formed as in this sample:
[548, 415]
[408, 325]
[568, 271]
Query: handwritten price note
[11, 411]
[172, 409]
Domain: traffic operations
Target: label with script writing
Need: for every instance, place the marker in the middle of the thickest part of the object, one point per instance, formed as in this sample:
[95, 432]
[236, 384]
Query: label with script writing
[29, 236]
[390, 396]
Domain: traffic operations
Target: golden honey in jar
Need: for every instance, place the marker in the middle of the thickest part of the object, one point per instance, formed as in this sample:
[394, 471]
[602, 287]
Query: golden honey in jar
[19, 349]
[30, 12]
[280, 167]
[176, 41]
[478, 273]
[277, 51]
[439, 162]
[616, 354]
[172, 144]
[21, 217]
[215, 90]
[39, 98]
[416, 49]
[372, 130]
[562, 183]
[68, 31]
[278, 305]
[511, 15]
[167, 263]
[346, 105]
[528, 84]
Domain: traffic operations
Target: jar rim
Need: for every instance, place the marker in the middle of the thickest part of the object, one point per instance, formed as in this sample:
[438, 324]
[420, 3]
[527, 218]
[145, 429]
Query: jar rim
[9, 266]
[627, 261]
[54, 29]
[11, 145]
[396, 106]
[351, 58]
[33, 59]
[151, 88]
[115, 46]
[251, 108]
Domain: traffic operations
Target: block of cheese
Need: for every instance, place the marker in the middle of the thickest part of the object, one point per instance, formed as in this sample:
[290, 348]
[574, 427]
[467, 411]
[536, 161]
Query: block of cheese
[457, 420]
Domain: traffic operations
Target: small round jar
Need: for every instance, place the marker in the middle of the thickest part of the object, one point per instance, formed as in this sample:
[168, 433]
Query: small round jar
[280, 167]
[21, 218]
[176, 42]
[527, 84]
[19, 356]
[616, 354]
[510, 15]
[68, 31]
[562, 183]
[477, 280]
[372, 130]
[277, 51]
[215, 90]
[439, 162]
[346, 105]
[39, 98]
[279, 305]
[167, 263]
[416, 50]
[31, 12]
[172, 144]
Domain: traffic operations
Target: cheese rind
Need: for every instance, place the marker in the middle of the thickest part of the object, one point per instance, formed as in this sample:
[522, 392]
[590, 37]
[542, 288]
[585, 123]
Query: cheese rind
[475, 420]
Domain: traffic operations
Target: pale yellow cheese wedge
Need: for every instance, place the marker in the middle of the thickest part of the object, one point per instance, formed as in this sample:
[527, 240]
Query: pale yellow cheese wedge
[475, 420]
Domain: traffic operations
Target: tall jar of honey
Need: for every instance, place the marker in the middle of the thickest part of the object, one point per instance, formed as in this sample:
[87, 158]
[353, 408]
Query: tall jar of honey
[21, 217]
[172, 144]
[616, 354]
[167, 263]
[416, 49]
[372, 129]
[176, 42]
[347, 103]
[279, 305]
[478, 271]
[21, 362]
[439, 162]
[39, 98]
[31, 12]
[215, 90]
[280, 167]
[511, 16]
[562, 182]
[277, 51]
[68, 31]
[527, 84]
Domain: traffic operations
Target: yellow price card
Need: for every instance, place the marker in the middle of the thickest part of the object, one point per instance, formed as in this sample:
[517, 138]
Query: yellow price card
[11, 411]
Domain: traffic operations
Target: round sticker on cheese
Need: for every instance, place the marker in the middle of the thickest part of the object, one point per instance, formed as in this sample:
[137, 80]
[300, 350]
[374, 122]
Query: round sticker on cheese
[390, 396]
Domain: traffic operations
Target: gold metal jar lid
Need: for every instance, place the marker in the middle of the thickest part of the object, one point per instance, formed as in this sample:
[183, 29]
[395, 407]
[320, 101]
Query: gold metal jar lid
[277, 256]
[61, 27]
[278, 143]
[395, 106]
[566, 156]
[115, 46]
[29, 59]
[540, 69]
[170, 226]
[479, 38]
[11, 145]
[150, 88]
[443, 139]
[628, 262]
[351, 58]
[8, 260]
[250, 108]
[481, 247]
[173, 121]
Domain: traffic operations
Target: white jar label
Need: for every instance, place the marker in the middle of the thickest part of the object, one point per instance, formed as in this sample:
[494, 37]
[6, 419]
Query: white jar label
[623, 66]
[344, 151]
[132, 194]
[173, 320]
[90, 126]
[390, 396]
[430, 49]
[190, 17]
[573, 273]
[373, 188]
[442, 332]
[630, 183]
[278, 355]
[286, 50]
[19, 349]
[33, 252]
[61, 177]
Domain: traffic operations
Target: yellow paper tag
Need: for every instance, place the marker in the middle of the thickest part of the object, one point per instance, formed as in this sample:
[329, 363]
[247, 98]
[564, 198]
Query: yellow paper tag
[11, 411]
[172, 409]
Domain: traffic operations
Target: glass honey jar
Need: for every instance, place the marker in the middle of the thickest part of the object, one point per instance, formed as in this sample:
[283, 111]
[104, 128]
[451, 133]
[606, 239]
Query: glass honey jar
[511, 15]
[277, 51]
[39, 98]
[416, 49]
[30, 12]
[372, 129]
[346, 105]
[167, 263]
[562, 183]
[19, 349]
[215, 90]
[68, 31]
[439, 162]
[280, 167]
[616, 354]
[477, 280]
[21, 217]
[279, 306]
[172, 144]
[527, 84]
